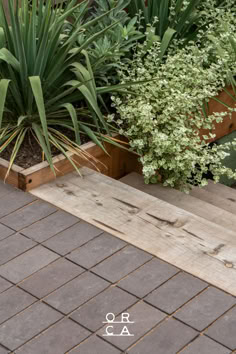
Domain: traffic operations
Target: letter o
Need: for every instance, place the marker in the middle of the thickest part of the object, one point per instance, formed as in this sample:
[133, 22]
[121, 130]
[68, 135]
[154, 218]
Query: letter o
[110, 314]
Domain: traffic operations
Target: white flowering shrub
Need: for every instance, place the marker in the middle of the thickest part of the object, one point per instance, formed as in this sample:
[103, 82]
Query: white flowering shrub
[162, 117]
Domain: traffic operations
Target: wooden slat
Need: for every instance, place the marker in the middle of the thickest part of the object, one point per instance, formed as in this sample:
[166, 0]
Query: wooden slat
[115, 163]
[13, 177]
[184, 201]
[221, 190]
[214, 199]
[41, 173]
[187, 241]
[229, 124]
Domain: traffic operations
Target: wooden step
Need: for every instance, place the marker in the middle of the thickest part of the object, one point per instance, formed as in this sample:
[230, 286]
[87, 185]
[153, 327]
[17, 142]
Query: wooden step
[188, 241]
[214, 198]
[221, 190]
[184, 201]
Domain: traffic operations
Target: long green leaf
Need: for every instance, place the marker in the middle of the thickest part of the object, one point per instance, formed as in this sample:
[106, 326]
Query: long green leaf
[3, 89]
[10, 59]
[72, 112]
[169, 33]
[163, 15]
[17, 145]
[38, 96]
[41, 138]
[62, 148]
[2, 38]
[186, 15]
[92, 136]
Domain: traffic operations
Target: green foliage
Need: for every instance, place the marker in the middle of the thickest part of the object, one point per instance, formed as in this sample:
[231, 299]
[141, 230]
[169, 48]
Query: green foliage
[223, 43]
[175, 22]
[46, 79]
[170, 19]
[162, 118]
[113, 45]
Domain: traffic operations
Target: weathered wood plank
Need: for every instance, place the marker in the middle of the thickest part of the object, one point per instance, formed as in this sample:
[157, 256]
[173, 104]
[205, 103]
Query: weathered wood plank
[214, 199]
[184, 201]
[188, 241]
[221, 190]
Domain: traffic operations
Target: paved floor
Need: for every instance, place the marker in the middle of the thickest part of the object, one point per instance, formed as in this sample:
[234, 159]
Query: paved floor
[61, 279]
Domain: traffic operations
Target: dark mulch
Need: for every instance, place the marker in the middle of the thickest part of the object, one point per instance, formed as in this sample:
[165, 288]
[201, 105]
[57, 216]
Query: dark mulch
[30, 153]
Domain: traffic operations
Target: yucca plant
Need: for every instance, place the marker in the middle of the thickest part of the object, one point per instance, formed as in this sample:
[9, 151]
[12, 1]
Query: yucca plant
[44, 87]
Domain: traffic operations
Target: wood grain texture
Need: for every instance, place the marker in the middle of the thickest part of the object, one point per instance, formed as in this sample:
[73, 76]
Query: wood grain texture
[221, 190]
[114, 163]
[188, 241]
[229, 124]
[214, 198]
[185, 201]
[13, 177]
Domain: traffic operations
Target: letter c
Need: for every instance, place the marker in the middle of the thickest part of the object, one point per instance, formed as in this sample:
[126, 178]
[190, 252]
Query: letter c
[109, 333]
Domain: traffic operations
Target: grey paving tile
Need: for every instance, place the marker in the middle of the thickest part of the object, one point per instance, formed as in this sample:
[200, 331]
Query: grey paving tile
[5, 232]
[148, 277]
[168, 338]
[13, 301]
[121, 263]
[3, 350]
[27, 263]
[58, 339]
[51, 277]
[76, 292]
[26, 216]
[145, 317]
[13, 246]
[50, 226]
[96, 250]
[176, 292]
[72, 238]
[5, 189]
[204, 345]
[13, 201]
[4, 285]
[21, 328]
[224, 329]
[91, 315]
[95, 345]
[205, 308]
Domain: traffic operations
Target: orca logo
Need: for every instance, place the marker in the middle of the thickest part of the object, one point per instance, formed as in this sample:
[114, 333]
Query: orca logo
[117, 328]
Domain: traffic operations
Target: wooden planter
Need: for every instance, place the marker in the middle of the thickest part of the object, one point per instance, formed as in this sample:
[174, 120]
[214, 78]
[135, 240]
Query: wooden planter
[229, 124]
[116, 164]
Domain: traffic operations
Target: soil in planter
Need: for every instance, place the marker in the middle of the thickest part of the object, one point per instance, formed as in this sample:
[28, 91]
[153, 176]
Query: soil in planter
[30, 152]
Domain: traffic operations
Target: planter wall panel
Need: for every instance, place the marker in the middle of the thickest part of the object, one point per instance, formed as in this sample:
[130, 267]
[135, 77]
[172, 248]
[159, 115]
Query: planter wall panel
[229, 124]
[116, 164]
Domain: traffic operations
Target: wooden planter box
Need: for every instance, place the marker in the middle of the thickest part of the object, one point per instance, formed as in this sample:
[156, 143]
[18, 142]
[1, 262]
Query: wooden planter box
[116, 164]
[229, 124]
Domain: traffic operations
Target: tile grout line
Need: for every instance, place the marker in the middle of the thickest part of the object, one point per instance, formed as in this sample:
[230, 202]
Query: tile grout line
[143, 297]
[110, 286]
[154, 256]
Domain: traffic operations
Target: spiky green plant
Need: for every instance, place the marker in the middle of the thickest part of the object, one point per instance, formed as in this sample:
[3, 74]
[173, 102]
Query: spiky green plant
[115, 45]
[170, 19]
[178, 21]
[43, 84]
